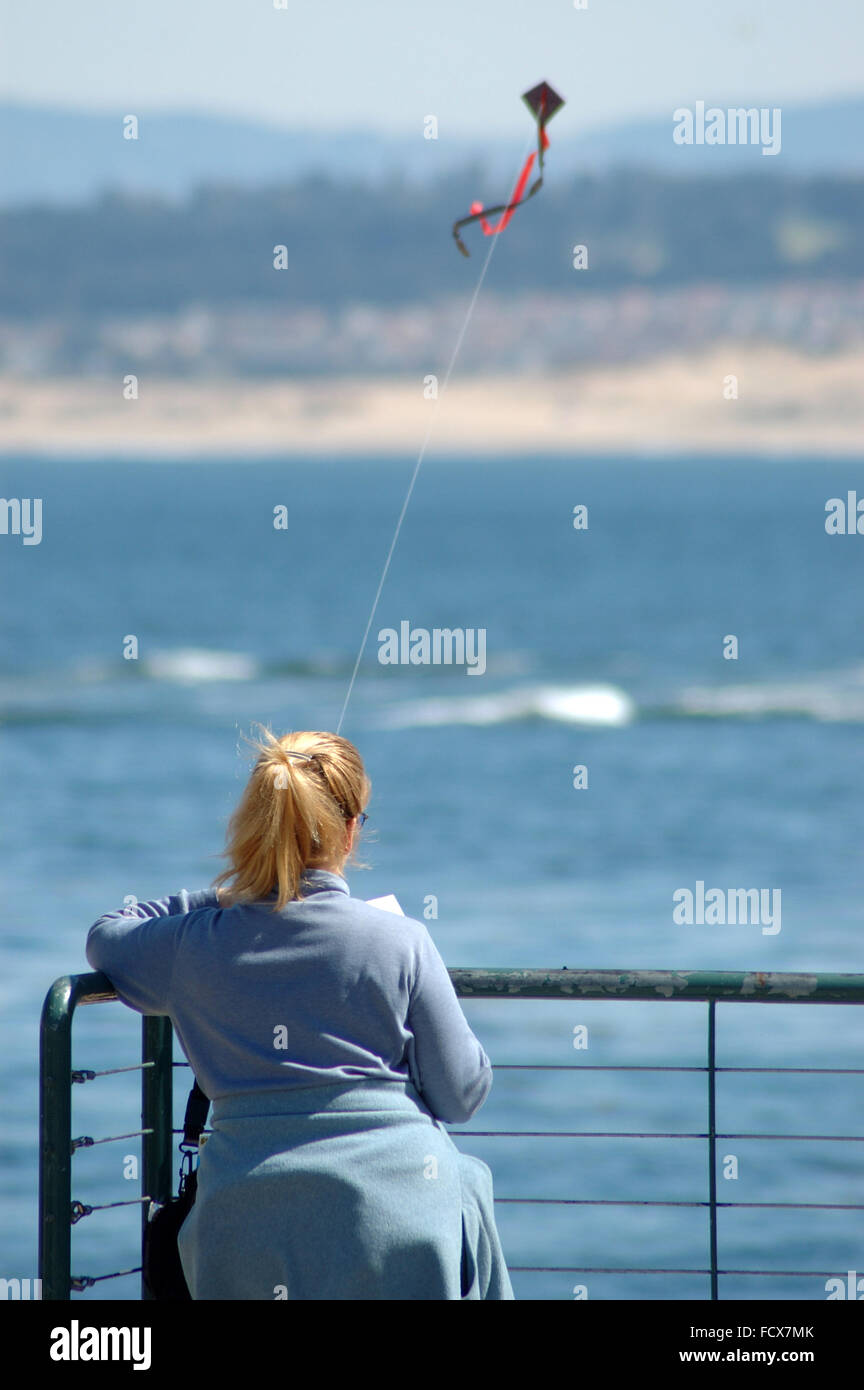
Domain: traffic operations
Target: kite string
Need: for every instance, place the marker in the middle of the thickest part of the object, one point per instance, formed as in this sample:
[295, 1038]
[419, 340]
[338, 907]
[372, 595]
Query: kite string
[455, 353]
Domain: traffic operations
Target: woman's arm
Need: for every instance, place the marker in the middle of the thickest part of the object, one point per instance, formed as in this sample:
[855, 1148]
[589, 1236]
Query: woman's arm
[136, 946]
[447, 1063]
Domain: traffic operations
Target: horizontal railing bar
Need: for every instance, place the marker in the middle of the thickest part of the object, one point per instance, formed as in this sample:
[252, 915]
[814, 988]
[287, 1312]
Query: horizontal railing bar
[129, 1202]
[831, 1138]
[80, 1282]
[85, 1142]
[800, 1206]
[87, 1074]
[595, 1269]
[584, 1066]
[626, 1134]
[625, 1066]
[664, 985]
[82, 1209]
[804, 1071]
[608, 1066]
[652, 1202]
[616, 1269]
[739, 986]
[592, 1066]
[595, 1202]
[785, 1273]
[567, 1134]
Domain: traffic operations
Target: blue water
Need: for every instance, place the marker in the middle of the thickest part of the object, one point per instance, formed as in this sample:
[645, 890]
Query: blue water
[604, 649]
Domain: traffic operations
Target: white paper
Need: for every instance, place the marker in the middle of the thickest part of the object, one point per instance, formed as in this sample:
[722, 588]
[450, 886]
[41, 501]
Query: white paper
[388, 903]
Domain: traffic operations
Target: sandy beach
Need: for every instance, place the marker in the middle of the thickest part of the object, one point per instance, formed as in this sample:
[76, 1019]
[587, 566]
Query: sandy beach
[786, 404]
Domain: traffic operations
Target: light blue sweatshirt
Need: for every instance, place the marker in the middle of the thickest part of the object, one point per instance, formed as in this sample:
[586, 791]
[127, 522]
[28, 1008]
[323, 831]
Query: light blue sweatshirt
[328, 990]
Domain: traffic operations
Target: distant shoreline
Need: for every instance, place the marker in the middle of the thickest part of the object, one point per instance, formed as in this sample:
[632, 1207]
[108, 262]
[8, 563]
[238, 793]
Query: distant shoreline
[787, 404]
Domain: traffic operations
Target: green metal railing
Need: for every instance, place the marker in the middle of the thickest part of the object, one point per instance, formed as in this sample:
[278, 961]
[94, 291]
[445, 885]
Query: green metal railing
[58, 1212]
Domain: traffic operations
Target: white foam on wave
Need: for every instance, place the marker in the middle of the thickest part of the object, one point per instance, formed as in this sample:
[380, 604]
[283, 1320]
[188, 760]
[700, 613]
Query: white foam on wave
[576, 704]
[835, 697]
[190, 665]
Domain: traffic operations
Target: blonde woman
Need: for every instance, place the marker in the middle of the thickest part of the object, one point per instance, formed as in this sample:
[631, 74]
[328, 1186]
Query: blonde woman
[328, 1036]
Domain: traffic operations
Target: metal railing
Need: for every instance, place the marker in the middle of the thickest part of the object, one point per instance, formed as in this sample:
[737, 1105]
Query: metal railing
[58, 1212]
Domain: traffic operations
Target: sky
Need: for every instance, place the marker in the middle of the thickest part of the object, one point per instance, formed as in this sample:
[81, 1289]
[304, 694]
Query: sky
[386, 64]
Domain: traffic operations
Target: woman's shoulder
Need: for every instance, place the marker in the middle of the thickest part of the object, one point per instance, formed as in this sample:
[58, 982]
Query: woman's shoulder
[389, 917]
[387, 923]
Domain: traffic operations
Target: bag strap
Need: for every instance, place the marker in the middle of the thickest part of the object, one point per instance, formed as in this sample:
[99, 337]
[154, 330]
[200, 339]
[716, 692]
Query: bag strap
[197, 1107]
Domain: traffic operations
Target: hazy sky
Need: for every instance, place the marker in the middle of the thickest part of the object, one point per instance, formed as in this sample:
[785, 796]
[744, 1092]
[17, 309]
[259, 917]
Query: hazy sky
[387, 63]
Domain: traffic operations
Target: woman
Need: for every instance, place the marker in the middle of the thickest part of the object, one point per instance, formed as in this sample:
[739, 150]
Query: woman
[329, 1038]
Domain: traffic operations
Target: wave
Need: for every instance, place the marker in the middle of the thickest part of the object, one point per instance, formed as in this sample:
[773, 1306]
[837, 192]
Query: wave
[575, 704]
[198, 664]
[834, 698]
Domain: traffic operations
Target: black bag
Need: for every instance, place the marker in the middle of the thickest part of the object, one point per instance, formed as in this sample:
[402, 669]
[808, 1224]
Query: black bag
[162, 1272]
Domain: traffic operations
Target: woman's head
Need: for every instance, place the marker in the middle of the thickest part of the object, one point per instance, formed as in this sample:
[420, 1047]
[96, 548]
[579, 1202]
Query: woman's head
[298, 812]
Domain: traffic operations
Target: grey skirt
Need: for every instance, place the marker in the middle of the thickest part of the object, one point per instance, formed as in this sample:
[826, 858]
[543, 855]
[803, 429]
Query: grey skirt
[351, 1191]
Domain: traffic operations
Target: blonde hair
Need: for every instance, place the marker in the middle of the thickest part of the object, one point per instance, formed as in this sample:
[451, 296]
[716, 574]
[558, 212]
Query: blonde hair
[292, 814]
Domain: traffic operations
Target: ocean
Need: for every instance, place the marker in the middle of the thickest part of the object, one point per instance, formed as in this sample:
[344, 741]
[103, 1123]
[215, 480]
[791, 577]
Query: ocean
[604, 650]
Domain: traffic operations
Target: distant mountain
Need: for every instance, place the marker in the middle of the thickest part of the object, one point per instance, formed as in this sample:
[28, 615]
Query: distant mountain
[68, 156]
[815, 139]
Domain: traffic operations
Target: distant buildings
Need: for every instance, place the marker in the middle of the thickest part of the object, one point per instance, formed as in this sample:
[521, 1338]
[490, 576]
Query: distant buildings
[531, 331]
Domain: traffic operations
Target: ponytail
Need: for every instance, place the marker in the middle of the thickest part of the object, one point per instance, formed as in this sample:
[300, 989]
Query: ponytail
[292, 815]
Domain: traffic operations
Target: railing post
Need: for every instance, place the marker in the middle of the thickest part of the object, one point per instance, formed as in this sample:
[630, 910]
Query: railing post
[55, 1125]
[712, 1147]
[157, 1116]
[55, 1142]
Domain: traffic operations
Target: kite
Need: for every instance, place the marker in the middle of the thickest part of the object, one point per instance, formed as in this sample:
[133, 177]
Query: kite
[543, 102]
